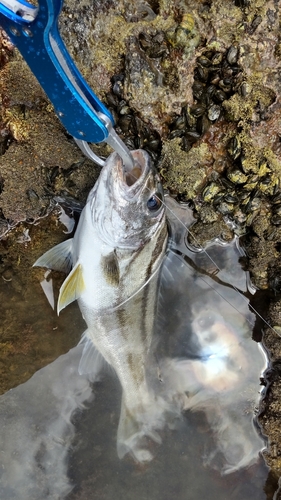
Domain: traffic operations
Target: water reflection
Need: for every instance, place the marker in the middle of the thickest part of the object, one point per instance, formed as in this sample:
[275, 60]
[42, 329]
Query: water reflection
[37, 431]
[58, 433]
[215, 362]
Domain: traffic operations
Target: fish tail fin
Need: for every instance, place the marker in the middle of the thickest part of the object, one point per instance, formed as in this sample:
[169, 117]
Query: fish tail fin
[137, 429]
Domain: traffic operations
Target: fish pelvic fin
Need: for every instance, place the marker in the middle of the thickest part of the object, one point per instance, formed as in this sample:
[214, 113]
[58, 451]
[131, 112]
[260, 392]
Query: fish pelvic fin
[58, 258]
[92, 362]
[72, 287]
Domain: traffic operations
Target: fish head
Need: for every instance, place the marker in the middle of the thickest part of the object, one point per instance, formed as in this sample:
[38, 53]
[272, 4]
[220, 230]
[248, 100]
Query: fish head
[127, 207]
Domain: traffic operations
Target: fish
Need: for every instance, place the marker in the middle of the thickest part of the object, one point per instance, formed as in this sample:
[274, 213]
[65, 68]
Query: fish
[113, 261]
[127, 267]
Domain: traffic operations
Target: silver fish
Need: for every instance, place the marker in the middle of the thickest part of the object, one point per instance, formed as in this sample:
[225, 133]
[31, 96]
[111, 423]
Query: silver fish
[118, 247]
[116, 254]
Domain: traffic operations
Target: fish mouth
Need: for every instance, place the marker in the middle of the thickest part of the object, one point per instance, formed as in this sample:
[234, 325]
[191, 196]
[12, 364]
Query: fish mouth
[142, 164]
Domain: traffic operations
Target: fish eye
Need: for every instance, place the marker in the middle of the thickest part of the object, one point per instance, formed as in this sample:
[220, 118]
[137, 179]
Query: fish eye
[155, 202]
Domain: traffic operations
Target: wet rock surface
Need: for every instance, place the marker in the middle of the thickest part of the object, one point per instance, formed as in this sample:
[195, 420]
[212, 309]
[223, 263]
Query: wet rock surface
[31, 333]
[197, 84]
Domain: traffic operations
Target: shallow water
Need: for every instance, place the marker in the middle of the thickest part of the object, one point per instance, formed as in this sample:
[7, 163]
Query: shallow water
[58, 432]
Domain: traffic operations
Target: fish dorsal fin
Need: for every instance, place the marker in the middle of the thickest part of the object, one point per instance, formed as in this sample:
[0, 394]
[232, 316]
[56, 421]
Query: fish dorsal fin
[58, 258]
[71, 288]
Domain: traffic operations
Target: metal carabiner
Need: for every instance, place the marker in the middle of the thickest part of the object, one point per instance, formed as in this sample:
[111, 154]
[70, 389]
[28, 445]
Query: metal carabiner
[34, 31]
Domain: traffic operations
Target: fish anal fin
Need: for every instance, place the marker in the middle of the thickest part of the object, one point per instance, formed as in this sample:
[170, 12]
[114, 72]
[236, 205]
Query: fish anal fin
[58, 258]
[72, 287]
[110, 267]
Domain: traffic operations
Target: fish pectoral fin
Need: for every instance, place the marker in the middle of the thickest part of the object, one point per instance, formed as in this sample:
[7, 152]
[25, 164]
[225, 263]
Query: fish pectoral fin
[71, 288]
[58, 258]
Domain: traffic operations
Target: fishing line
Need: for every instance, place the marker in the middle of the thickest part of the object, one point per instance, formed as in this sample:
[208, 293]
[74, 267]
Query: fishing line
[219, 270]
[228, 302]
[210, 275]
[201, 248]
[112, 309]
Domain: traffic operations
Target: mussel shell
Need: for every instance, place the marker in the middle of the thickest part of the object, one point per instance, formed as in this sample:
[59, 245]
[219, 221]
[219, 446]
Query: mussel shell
[192, 135]
[219, 95]
[203, 124]
[124, 123]
[277, 209]
[154, 154]
[125, 110]
[234, 147]
[112, 99]
[198, 89]
[139, 141]
[210, 191]
[276, 198]
[198, 110]
[253, 205]
[214, 112]
[230, 198]
[145, 41]
[32, 195]
[186, 144]
[276, 220]
[217, 58]
[225, 208]
[180, 123]
[227, 183]
[211, 89]
[117, 89]
[232, 54]
[154, 144]
[237, 177]
[176, 133]
[130, 142]
[204, 61]
[255, 23]
[201, 73]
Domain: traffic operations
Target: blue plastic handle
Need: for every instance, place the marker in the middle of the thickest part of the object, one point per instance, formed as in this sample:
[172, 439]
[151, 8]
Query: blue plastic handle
[35, 33]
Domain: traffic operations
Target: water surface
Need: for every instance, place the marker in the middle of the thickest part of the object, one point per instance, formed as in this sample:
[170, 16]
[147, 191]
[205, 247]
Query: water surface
[58, 432]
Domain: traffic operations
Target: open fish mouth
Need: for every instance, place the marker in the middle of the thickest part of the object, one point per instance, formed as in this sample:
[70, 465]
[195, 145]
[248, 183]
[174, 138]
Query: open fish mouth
[140, 159]
[135, 178]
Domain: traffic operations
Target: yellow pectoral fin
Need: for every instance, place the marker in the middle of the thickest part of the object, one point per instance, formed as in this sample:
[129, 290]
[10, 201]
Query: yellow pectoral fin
[71, 288]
